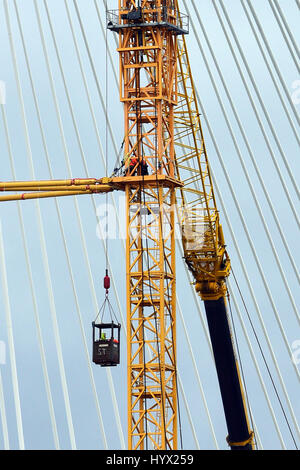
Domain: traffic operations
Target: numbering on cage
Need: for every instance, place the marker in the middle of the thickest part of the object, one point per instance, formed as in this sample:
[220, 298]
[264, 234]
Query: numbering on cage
[106, 344]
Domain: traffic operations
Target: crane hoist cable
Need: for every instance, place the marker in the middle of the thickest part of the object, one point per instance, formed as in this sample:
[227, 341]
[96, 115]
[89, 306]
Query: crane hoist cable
[106, 351]
[106, 305]
[106, 145]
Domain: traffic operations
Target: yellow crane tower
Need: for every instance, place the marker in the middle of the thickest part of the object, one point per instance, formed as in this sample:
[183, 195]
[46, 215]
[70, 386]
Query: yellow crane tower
[165, 171]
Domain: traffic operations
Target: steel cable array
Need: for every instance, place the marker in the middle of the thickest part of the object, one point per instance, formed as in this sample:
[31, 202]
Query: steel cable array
[93, 83]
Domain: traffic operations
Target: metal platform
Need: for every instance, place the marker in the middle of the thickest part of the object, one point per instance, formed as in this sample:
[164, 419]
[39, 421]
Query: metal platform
[120, 20]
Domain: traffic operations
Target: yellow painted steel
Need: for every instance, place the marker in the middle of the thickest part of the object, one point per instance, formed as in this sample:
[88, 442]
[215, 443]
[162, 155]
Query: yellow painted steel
[23, 185]
[148, 89]
[202, 236]
[53, 193]
[243, 443]
[54, 188]
[161, 118]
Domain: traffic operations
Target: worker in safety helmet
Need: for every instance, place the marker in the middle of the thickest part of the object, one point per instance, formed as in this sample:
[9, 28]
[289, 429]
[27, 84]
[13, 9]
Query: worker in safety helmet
[132, 165]
[144, 168]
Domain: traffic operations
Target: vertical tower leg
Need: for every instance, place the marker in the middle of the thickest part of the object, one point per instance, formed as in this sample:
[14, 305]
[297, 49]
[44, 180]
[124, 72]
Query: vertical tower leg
[148, 88]
[152, 394]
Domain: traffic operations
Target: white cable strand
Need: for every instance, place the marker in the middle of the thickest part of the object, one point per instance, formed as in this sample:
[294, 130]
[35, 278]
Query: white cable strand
[104, 35]
[243, 219]
[236, 245]
[41, 231]
[295, 132]
[259, 374]
[62, 230]
[91, 281]
[255, 109]
[35, 307]
[281, 16]
[100, 150]
[95, 75]
[288, 97]
[189, 415]
[272, 58]
[287, 28]
[197, 376]
[11, 346]
[260, 212]
[3, 415]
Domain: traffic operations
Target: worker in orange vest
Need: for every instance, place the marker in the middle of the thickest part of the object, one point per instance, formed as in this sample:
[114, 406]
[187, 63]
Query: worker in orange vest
[133, 165]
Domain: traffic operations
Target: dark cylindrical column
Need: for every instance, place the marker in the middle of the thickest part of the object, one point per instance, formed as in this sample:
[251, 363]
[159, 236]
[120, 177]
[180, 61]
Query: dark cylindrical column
[228, 374]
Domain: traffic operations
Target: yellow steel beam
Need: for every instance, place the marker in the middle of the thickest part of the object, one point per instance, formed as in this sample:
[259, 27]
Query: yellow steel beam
[6, 185]
[148, 90]
[202, 235]
[53, 193]
[55, 188]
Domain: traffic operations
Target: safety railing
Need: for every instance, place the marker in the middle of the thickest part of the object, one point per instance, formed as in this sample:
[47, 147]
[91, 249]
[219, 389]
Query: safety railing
[159, 17]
